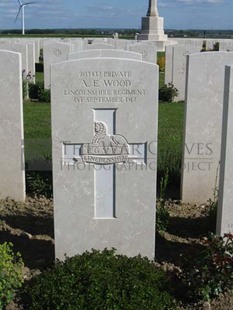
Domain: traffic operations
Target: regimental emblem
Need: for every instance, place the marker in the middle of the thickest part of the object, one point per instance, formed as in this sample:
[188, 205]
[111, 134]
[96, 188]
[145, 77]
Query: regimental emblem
[107, 147]
[104, 148]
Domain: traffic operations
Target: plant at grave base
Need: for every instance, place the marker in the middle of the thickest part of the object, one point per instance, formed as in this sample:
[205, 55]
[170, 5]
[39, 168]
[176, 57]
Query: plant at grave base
[212, 214]
[39, 183]
[209, 272]
[1, 224]
[168, 92]
[216, 46]
[213, 205]
[11, 277]
[44, 96]
[101, 280]
[170, 160]
[203, 48]
[25, 89]
[161, 63]
[162, 214]
[37, 92]
[27, 79]
[214, 49]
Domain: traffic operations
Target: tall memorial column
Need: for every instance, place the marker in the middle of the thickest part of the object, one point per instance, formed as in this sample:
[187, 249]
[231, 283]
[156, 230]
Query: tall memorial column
[152, 9]
[152, 25]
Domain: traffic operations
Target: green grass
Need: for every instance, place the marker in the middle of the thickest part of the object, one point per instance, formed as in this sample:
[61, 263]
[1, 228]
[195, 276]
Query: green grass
[171, 116]
[37, 120]
[161, 74]
[161, 79]
[37, 127]
[39, 77]
[170, 140]
[37, 130]
[160, 54]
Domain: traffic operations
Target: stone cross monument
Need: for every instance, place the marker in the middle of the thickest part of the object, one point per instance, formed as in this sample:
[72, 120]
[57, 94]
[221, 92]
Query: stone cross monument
[152, 25]
[152, 9]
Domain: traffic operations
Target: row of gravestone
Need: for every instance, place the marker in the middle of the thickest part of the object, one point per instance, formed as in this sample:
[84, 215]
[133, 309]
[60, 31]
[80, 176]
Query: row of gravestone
[207, 94]
[175, 70]
[224, 44]
[199, 78]
[92, 88]
[104, 132]
[56, 51]
[30, 52]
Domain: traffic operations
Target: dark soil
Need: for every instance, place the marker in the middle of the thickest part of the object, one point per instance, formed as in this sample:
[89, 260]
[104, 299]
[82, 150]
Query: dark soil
[29, 226]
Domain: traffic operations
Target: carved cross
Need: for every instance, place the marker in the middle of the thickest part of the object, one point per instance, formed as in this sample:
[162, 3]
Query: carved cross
[57, 52]
[108, 151]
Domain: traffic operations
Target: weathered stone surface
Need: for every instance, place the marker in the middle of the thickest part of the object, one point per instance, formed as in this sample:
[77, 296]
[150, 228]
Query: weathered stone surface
[203, 124]
[54, 52]
[148, 51]
[18, 48]
[179, 67]
[11, 127]
[152, 25]
[168, 63]
[105, 53]
[225, 200]
[104, 130]
[98, 46]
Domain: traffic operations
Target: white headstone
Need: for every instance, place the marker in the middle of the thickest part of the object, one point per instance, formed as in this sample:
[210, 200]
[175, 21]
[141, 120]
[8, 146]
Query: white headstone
[18, 48]
[104, 129]
[78, 45]
[98, 46]
[203, 124]
[11, 127]
[225, 201]
[33, 54]
[54, 52]
[105, 53]
[179, 67]
[149, 52]
[226, 45]
[168, 63]
[37, 50]
[121, 44]
[31, 60]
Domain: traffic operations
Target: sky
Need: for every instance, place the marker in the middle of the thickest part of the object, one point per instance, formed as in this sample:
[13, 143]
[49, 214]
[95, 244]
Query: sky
[178, 14]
